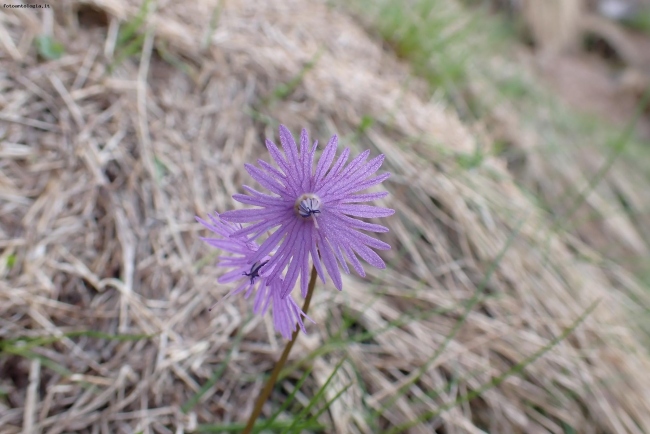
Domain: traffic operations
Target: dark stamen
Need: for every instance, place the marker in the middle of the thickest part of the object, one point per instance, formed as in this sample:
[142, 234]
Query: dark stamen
[308, 207]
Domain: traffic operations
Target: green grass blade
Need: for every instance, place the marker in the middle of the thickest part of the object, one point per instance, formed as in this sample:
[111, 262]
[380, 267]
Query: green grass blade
[315, 398]
[288, 400]
[239, 427]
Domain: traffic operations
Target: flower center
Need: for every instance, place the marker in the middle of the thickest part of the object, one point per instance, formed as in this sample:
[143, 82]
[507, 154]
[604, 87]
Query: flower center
[307, 205]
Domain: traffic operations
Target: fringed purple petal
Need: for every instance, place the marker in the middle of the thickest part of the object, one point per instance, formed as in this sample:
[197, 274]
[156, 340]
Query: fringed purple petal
[289, 180]
[286, 167]
[304, 271]
[284, 253]
[334, 187]
[256, 201]
[286, 313]
[353, 260]
[268, 245]
[293, 271]
[231, 276]
[262, 299]
[364, 211]
[370, 256]
[355, 224]
[239, 288]
[235, 261]
[277, 156]
[289, 147]
[252, 215]
[334, 171]
[265, 180]
[336, 248]
[356, 198]
[330, 262]
[363, 185]
[261, 195]
[326, 160]
[315, 258]
[350, 241]
[282, 316]
[272, 171]
[296, 312]
[371, 167]
[367, 240]
[347, 238]
[218, 226]
[228, 245]
[340, 163]
[349, 171]
[310, 177]
[304, 159]
[261, 227]
[329, 229]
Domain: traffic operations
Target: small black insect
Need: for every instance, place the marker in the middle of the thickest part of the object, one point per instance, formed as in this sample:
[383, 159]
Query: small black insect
[255, 270]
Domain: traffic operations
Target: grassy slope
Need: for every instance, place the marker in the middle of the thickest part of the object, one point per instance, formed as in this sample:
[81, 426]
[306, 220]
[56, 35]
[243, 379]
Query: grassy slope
[467, 57]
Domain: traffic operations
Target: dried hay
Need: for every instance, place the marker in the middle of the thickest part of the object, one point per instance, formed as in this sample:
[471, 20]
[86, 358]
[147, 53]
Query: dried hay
[608, 171]
[102, 174]
[594, 186]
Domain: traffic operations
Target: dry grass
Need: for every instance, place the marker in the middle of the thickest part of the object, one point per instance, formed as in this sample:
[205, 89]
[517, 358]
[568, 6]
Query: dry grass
[103, 170]
[591, 179]
[554, 24]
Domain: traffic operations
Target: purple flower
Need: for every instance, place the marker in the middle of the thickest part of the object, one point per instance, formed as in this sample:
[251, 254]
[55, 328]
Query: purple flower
[313, 210]
[252, 274]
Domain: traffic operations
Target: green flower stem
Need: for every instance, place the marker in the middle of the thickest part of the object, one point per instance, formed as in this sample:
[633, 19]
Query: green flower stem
[264, 394]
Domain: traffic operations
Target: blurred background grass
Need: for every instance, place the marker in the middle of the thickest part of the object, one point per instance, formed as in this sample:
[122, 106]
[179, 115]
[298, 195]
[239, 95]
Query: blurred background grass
[500, 65]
